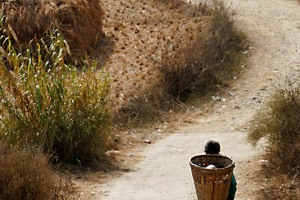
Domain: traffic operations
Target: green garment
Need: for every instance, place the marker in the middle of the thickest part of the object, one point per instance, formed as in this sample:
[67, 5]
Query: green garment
[232, 188]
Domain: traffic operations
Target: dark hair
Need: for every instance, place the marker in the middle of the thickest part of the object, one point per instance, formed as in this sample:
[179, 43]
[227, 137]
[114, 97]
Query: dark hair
[212, 147]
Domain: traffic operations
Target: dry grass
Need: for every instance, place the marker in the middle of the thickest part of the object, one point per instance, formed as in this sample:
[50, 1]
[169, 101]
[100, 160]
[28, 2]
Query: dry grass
[281, 186]
[79, 21]
[207, 62]
[284, 189]
[279, 123]
[144, 109]
[27, 175]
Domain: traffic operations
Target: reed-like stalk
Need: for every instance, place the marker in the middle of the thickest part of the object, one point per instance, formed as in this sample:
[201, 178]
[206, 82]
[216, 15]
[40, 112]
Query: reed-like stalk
[44, 101]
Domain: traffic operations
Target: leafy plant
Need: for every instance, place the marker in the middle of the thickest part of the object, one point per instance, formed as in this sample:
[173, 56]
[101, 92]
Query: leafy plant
[46, 102]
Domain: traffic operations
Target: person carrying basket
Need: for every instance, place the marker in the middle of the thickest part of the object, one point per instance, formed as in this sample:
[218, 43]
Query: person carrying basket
[213, 147]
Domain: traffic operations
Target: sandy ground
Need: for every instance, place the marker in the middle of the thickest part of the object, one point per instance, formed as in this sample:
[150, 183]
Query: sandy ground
[164, 173]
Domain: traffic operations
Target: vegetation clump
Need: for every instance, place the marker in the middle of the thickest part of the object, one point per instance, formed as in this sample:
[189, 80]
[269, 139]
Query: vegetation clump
[79, 22]
[26, 175]
[206, 62]
[49, 103]
[279, 124]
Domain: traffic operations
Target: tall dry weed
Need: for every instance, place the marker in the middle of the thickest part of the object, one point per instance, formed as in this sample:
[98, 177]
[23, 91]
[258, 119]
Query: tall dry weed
[79, 21]
[26, 175]
[279, 123]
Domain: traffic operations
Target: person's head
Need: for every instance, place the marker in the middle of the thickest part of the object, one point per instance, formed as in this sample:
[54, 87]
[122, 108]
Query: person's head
[212, 147]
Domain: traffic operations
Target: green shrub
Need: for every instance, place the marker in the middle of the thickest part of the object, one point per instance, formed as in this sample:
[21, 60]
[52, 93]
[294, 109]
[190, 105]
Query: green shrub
[201, 66]
[28, 176]
[46, 102]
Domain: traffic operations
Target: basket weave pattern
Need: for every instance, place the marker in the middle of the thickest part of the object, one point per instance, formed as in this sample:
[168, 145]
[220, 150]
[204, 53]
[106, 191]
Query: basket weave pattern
[212, 184]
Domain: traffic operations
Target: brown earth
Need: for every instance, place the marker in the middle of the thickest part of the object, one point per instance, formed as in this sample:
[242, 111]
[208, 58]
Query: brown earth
[158, 169]
[138, 33]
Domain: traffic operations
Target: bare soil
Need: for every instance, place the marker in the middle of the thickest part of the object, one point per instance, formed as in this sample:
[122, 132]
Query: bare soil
[158, 168]
[138, 32]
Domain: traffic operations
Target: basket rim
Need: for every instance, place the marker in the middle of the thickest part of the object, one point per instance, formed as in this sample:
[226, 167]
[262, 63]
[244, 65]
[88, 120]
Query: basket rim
[212, 155]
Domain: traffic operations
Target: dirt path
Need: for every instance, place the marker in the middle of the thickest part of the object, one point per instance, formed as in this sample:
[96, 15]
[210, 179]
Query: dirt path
[164, 173]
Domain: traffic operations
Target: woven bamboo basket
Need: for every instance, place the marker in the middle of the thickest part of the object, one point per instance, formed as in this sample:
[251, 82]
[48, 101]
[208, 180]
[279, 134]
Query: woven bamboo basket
[212, 184]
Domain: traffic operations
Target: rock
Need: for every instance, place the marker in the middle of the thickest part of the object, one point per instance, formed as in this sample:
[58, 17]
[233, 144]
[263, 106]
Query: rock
[112, 152]
[264, 162]
[61, 193]
[231, 93]
[264, 88]
[147, 141]
[216, 98]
